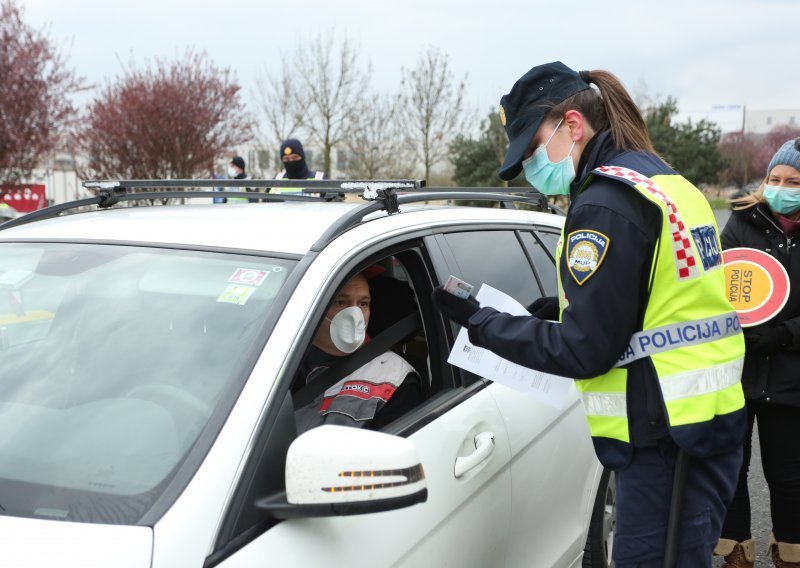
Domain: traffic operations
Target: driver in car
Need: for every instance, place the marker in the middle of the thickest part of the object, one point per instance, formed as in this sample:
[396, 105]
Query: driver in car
[376, 393]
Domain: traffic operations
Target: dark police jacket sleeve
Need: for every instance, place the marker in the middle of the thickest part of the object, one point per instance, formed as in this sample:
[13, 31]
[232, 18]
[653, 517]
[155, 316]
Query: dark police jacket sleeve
[604, 311]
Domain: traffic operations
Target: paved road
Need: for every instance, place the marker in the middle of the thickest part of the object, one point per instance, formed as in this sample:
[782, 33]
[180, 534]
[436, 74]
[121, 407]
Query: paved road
[759, 507]
[722, 216]
[759, 496]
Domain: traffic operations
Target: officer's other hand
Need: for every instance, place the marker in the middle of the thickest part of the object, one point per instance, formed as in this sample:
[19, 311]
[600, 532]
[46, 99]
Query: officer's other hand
[452, 307]
[765, 339]
[545, 308]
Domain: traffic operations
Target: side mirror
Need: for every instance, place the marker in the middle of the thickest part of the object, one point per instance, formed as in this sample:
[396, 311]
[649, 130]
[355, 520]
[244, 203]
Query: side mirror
[338, 470]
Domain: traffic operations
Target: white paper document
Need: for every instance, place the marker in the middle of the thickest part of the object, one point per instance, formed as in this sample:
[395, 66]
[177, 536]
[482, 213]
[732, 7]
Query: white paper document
[550, 389]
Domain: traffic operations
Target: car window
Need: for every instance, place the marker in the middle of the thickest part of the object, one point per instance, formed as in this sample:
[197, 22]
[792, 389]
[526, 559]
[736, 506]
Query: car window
[364, 394]
[495, 258]
[542, 262]
[399, 286]
[549, 240]
[112, 361]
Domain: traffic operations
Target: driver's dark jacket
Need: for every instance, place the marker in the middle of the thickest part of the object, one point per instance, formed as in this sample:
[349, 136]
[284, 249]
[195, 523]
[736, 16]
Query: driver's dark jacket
[370, 397]
[605, 312]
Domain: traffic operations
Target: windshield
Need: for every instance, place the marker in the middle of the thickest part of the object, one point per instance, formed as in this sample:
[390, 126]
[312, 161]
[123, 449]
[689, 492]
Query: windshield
[112, 360]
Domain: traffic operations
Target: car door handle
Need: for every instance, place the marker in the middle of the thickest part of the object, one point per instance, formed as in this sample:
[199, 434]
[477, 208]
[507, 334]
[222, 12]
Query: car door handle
[484, 446]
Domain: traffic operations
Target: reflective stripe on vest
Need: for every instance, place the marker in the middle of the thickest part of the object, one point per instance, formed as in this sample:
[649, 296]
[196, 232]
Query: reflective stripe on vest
[690, 332]
[682, 385]
[683, 334]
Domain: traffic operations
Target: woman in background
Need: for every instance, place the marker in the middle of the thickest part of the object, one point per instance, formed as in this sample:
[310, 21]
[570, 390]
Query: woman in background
[769, 220]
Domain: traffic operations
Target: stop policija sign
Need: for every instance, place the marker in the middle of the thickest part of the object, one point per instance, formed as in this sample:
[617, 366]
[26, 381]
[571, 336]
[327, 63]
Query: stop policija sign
[756, 283]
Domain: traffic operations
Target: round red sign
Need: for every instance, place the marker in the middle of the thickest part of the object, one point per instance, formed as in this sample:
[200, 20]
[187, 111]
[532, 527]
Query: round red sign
[756, 283]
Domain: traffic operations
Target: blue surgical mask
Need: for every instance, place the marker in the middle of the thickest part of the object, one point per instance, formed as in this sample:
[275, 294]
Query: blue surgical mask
[782, 199]
[551, 178]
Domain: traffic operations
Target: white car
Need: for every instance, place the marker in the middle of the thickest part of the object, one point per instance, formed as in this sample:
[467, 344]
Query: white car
[147, 357]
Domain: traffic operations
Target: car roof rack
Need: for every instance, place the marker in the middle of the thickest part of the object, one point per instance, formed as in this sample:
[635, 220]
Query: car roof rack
[382, 195]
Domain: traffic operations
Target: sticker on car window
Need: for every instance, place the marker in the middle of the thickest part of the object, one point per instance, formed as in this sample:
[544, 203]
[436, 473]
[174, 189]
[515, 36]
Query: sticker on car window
[236, 294]
[249, 276]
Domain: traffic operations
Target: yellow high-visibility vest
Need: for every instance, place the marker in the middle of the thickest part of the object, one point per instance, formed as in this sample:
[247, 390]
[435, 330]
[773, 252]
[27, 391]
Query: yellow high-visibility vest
[297, 190]
[690, 330]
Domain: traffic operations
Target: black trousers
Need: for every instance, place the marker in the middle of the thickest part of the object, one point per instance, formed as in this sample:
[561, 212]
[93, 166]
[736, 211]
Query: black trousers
[779, 435]
[644, 490]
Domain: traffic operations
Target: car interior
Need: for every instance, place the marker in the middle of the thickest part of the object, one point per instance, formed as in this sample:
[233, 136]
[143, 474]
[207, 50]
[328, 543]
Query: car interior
[393, 299]
[401, 285]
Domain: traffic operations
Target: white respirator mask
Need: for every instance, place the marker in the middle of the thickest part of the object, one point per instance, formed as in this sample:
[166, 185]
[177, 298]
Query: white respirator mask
[348, 329]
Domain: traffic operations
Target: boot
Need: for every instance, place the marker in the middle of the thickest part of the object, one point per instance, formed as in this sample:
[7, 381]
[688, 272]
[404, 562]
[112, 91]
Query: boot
[737, 554]
[784, 554]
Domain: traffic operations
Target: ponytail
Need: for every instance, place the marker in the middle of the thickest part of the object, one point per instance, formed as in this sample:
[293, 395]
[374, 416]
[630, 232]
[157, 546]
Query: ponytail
[610, 106]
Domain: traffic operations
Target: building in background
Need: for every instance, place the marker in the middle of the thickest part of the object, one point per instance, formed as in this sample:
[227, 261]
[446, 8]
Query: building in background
[762, 121]
[738, 118]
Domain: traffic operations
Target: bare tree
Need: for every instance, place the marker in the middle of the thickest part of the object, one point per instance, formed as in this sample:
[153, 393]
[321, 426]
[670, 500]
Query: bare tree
[280, 104]
[774, 139]
[35, 109]
[318, 90]
[166, 121]
[375, 146]
[332, 82]
[739, 150]
[432, 107]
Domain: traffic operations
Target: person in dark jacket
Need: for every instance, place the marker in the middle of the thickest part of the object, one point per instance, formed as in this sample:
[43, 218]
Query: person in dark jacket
[236, 170]
[293, 158]
[639, 266]
[769, 220]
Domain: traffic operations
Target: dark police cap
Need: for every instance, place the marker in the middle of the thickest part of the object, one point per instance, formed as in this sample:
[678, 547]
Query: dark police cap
[292, 146]
[531, 98]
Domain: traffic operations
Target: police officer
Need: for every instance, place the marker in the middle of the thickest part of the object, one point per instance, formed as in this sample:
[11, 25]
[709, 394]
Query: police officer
[644, 325]
[293, 158]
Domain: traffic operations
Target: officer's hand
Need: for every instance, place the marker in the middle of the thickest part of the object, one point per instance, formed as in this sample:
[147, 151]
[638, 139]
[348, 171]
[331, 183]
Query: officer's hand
[765, 340]
[545, 308]
[452, 307]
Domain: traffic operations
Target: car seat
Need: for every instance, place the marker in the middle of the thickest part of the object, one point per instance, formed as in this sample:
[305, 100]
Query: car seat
[392, 300]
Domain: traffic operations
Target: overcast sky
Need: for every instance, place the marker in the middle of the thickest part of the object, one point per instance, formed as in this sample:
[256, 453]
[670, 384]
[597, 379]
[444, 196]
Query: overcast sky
[703, 52]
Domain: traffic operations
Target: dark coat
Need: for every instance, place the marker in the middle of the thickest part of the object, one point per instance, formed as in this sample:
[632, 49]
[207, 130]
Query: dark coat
[775, 377]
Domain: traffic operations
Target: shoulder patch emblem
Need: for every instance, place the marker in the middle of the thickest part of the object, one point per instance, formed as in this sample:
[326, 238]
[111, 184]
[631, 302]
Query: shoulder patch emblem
[707, 243]
[586, 250]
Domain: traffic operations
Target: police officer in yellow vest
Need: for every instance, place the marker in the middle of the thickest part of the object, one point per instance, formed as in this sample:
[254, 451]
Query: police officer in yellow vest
[644, 325]
[293, 158]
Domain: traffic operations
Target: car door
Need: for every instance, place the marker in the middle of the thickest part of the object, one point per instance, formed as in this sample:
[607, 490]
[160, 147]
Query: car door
[460, 436]
[553, 469]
